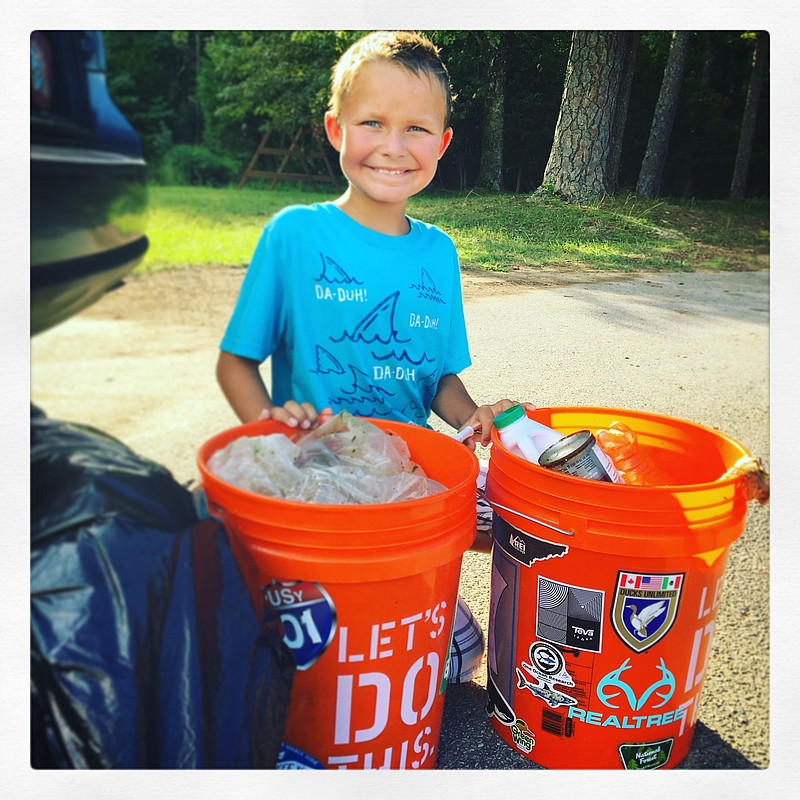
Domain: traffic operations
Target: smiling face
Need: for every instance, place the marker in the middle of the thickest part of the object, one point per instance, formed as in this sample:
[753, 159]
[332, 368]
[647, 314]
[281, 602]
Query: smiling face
[390, 136]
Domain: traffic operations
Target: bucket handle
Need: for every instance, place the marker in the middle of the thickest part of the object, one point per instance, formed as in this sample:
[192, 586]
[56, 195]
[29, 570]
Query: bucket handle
[482, 494]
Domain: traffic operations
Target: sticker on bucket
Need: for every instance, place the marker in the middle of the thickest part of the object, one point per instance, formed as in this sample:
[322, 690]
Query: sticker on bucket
[308, 616]
[521, 546]
[645, 607]
[612, 687]
[571, 616]
[522, 736]
[548, 668]
[650, 755]
[497, 706]
[291, 757]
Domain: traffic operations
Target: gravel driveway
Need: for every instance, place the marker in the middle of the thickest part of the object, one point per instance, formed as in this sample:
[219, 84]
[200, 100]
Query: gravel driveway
[140, 366]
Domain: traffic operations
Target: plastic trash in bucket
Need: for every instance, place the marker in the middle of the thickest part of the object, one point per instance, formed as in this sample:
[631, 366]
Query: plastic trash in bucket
[604, 596]
[367, 595]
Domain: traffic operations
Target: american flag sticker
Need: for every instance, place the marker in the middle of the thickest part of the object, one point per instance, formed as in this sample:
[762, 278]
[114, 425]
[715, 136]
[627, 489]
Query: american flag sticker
[634, 580]
[645, 606]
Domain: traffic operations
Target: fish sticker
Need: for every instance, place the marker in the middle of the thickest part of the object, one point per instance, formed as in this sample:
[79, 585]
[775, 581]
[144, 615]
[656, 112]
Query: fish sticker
[548, 668]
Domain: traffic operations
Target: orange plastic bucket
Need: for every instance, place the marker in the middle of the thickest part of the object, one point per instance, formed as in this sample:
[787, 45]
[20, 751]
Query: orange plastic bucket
[367, 595]
[604, 596]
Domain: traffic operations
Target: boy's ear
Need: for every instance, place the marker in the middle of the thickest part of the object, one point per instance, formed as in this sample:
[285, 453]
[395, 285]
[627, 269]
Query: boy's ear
[447, 137]
[333, 131]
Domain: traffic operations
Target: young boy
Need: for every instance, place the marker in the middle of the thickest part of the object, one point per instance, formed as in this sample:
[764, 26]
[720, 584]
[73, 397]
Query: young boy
[359, 305]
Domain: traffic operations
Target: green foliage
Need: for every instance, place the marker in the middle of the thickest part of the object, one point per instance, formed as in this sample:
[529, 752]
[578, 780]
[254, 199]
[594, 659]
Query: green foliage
[251, 80]
[705, 134]
[152, 79]
[223, 89]
[202, 225]
[190, 165]
[493, 232]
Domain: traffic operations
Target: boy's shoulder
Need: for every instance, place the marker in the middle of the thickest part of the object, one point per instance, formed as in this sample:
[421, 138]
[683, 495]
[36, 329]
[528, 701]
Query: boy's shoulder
[430, 230]
[297, 214]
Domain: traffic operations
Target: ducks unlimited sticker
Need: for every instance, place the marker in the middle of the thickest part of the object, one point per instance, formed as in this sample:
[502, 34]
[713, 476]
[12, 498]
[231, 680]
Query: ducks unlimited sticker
[645, 607]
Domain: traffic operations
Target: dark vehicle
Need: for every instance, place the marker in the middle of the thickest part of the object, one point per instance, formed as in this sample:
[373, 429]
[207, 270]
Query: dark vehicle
[88, 179]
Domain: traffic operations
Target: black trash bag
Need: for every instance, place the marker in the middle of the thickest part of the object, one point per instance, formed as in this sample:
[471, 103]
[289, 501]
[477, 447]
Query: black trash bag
[147, 650]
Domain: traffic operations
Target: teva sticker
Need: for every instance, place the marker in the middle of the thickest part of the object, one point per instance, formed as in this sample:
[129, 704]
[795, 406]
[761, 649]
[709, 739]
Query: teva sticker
[548, 668]
[308, 616]
[650, 755]
[645, 607]
[521, 546]
[571, 616]
[291, 757]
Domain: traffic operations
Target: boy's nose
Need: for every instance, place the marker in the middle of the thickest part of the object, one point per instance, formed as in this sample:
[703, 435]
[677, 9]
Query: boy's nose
[393, 143]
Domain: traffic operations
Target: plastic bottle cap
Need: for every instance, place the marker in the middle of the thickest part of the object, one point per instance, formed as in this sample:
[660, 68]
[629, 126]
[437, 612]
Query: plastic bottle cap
[505, 418]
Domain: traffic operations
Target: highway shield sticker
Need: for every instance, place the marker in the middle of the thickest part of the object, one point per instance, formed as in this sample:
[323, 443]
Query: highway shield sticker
[645, 607]
[308, 616]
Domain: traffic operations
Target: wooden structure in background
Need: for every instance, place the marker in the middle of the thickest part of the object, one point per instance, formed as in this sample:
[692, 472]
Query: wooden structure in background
[305, 146]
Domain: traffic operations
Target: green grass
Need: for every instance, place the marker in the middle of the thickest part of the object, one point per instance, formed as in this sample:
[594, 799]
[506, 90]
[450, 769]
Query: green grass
[198, 226]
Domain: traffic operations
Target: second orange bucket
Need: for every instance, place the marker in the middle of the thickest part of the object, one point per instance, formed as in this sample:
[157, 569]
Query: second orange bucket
[366, 594]
[604, 596]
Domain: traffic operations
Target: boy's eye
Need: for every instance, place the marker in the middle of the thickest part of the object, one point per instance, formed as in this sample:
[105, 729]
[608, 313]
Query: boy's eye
[418, 128]
[371, 123]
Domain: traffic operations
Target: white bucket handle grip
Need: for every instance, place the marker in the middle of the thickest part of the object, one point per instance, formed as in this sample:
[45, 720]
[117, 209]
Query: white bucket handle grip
[486, 499]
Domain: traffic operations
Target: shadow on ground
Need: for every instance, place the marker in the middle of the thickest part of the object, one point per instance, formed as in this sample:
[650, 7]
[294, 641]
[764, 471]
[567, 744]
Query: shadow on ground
[468, 740]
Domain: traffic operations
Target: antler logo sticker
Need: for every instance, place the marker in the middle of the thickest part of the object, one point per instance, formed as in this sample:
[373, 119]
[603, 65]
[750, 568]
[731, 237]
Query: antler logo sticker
[612, 687]
[645, 607]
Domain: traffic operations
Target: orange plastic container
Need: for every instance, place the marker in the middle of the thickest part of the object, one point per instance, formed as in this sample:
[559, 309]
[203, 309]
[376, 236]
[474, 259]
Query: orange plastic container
[604, 596]
[367, 595]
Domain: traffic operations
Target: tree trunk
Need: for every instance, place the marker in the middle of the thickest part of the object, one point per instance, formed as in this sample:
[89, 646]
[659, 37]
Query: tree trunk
[745, 149]
[655, 156]
[578, 167]
[490, 172]
[711, 65]
[621, 117]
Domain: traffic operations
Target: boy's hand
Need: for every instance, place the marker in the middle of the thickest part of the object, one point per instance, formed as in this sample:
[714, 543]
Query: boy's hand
[297, 415]
[482, 420]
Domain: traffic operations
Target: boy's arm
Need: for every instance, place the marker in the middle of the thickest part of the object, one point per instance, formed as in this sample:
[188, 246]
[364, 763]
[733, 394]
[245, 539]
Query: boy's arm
[452, 402]
[244, 389]
[242, 386]
[455, 406]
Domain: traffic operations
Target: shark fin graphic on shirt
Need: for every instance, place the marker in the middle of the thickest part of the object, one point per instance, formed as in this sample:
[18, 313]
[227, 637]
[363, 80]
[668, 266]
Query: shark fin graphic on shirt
[377, 325]
[332, 272]
[327, 363]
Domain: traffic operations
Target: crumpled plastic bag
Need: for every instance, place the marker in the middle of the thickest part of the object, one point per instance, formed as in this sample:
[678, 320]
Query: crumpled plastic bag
[150, 647]
[345, 460]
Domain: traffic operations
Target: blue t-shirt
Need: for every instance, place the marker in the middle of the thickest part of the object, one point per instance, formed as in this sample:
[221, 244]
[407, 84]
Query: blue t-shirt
[353, 319]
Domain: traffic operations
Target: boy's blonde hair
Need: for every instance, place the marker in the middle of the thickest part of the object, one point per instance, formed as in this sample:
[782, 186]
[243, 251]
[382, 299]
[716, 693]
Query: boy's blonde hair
[408, 49]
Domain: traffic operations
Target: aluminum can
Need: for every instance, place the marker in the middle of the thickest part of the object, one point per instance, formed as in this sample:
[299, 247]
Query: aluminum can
[579, 454]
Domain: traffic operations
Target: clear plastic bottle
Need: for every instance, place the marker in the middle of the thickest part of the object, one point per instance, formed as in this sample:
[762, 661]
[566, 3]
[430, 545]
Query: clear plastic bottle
[523, 436]
[619, 442]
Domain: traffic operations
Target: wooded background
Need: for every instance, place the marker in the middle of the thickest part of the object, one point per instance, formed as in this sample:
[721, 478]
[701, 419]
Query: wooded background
[580, 114]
